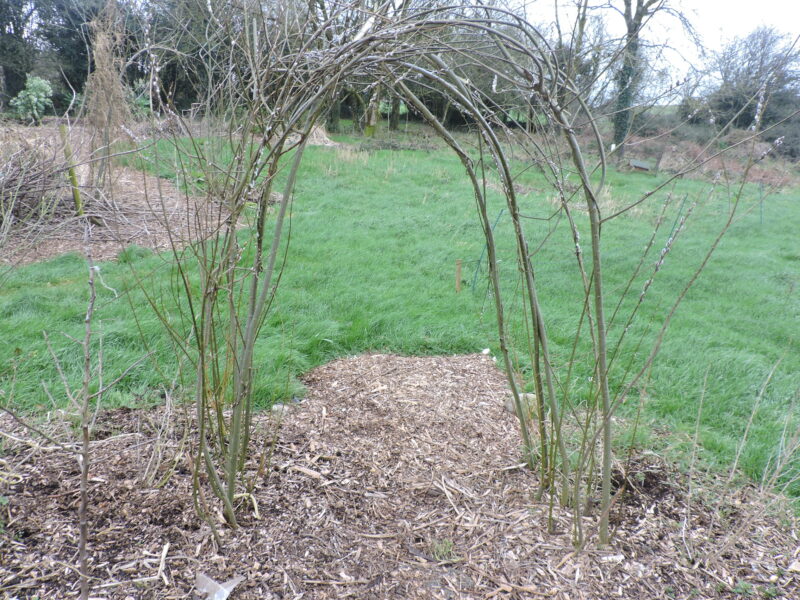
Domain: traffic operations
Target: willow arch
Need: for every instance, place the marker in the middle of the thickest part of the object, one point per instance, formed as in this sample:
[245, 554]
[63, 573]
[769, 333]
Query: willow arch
[271, 76]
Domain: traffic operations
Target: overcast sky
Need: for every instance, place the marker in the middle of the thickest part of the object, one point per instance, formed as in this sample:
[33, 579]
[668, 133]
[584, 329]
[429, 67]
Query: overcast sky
[721, 20]
[715, 21]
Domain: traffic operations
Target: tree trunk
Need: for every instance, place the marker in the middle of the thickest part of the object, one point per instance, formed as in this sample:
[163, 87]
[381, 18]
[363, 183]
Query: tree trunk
[334, 116]
[372, 114]
[394, 114]
[628, 75]
[446, 113]
[625, 80]
[356, 109]
[2, 88]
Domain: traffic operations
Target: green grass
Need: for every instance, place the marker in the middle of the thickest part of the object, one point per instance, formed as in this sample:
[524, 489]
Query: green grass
[374, 241]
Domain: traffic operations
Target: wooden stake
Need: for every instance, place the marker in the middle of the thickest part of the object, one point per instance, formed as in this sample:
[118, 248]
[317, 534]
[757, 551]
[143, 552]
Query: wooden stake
[73, 179]
[458, 276]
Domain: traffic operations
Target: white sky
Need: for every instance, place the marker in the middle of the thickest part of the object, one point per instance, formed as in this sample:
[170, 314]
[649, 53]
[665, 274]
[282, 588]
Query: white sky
[721, 20]
[715, 21]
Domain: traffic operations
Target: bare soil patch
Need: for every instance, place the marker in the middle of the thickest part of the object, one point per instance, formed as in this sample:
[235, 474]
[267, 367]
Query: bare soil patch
[395, 478]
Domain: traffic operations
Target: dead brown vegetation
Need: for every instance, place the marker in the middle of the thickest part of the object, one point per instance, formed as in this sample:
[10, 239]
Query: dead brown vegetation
[137, 209]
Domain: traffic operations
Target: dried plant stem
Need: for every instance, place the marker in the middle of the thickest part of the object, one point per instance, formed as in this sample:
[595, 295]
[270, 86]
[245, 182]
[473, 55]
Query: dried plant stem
[86, 418]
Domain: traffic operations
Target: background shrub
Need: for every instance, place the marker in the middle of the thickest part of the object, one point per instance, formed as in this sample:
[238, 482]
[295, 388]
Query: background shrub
[31, 103]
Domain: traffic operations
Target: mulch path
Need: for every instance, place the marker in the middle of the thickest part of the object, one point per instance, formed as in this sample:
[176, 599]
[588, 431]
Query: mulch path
[395, 478]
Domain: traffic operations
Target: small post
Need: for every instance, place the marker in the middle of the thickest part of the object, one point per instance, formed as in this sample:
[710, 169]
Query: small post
[458, 276]
[73, 179]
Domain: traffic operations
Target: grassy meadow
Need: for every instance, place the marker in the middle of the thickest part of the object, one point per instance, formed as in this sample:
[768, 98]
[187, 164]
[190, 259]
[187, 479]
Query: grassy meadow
[375, 235]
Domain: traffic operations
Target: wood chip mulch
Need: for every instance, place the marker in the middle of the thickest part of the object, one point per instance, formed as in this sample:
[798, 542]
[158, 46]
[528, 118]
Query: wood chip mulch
[395, 478]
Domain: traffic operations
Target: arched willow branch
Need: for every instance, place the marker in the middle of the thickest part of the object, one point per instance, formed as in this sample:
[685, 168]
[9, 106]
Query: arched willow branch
[267, 71]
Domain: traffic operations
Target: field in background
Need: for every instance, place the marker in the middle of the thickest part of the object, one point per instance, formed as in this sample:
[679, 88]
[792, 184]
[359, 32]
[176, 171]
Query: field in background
[375, 236]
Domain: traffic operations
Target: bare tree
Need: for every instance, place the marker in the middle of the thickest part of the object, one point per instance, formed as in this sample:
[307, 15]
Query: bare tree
[757, 77]
[628, 78]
